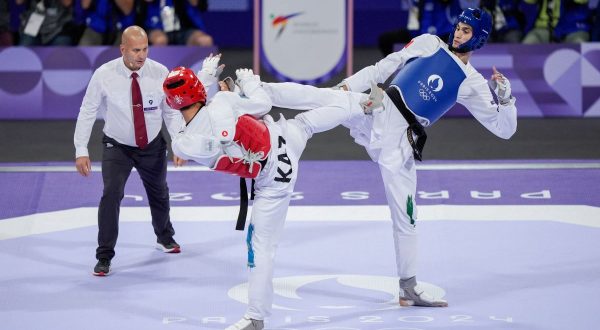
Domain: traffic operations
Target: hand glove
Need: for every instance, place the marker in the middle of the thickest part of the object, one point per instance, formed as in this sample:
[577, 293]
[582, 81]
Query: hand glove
[211, 66]
[209, 74]
[374, 102]
[229, 85]
[247, 80]
[501, 86]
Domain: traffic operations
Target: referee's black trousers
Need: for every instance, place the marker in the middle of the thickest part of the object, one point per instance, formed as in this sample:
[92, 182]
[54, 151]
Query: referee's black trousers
[151, 164]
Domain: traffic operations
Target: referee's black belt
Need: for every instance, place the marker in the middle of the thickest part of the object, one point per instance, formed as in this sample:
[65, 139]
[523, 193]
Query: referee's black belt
[414, 127]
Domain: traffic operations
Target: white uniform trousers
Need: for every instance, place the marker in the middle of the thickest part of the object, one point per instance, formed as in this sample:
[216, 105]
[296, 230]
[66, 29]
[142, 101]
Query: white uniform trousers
[273, 190]
[384, 136]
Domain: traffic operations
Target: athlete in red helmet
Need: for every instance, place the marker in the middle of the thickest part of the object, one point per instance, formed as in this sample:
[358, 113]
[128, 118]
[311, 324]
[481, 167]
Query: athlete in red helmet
[234, 134]
[184, 88]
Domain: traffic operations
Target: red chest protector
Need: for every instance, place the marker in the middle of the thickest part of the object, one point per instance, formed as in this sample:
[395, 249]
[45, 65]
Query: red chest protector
[252, 136]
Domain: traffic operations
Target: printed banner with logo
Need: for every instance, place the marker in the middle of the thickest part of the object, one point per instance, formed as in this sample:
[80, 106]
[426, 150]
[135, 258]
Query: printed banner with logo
[50, 82]
[556, 80]
[303, 41]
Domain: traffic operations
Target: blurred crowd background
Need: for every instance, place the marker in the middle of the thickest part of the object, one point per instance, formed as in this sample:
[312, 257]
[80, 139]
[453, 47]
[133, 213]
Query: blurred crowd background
[228, 25]
[196, 22]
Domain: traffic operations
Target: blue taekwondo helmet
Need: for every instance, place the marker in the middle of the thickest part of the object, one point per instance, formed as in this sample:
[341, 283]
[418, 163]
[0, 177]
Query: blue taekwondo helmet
[481, 22]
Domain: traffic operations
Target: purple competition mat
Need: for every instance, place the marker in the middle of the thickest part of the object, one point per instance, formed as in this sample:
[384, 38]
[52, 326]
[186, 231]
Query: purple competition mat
[510, 245]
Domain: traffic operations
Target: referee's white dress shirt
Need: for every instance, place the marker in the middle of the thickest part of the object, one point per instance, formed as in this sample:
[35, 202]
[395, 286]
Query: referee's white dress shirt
[109, 92]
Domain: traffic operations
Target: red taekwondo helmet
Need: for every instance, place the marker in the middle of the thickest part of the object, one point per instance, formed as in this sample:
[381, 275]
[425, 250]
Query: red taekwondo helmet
[183, 88]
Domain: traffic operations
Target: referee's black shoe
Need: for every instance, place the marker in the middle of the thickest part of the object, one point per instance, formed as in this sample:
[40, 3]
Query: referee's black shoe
[171, 247]
[102, 267]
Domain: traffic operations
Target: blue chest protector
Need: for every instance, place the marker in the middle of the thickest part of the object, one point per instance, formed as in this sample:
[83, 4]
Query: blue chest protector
[429, 85]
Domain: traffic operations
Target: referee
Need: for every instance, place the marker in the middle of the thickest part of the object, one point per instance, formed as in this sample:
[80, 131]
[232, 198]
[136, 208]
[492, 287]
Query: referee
[128, 93]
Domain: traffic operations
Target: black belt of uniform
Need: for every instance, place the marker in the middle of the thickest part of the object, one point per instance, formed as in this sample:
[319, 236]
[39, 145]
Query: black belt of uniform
[413, 125]
[243, 213]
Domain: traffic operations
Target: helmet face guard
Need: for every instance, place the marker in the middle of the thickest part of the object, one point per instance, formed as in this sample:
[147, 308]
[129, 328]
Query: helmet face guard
[481, 23]
[182, 88]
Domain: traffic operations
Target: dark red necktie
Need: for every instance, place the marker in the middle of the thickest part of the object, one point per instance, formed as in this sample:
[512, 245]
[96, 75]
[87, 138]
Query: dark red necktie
[141, 137]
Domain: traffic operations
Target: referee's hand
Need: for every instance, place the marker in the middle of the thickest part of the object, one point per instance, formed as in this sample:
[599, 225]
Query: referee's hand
[83, 165]
[178, 161]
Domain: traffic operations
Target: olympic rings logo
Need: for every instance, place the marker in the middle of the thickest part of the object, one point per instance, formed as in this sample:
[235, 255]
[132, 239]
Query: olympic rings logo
[423, 94]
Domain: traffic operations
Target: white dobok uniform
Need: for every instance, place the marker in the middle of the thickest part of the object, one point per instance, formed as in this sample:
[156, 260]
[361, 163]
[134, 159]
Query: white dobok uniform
[218, 137]
[384, 134]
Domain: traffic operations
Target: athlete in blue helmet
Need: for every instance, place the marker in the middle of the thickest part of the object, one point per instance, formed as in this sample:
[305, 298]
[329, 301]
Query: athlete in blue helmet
[428, 76]
[480, 24]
